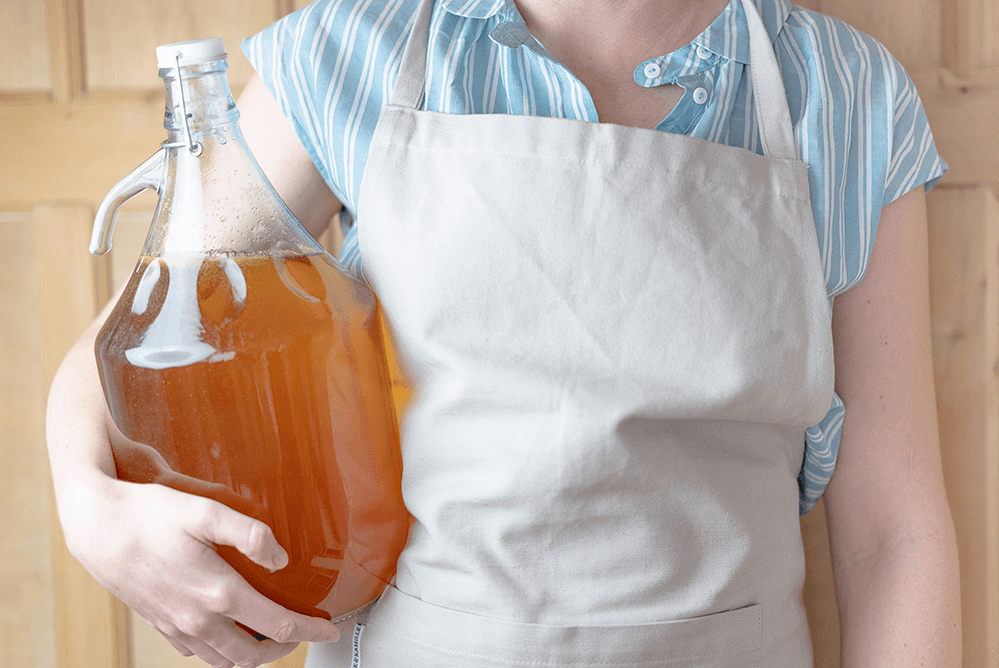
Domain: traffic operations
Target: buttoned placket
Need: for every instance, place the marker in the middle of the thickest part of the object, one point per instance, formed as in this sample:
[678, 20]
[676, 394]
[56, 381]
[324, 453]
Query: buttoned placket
[510, 31]
[697, 84]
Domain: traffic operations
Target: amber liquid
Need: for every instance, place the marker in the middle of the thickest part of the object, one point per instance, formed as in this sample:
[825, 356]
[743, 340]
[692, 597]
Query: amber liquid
[262, 383]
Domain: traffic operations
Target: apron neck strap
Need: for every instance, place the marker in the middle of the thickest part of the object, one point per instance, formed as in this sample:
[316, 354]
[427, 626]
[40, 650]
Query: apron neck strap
[774, 117]
[769, 98]
[408, 90]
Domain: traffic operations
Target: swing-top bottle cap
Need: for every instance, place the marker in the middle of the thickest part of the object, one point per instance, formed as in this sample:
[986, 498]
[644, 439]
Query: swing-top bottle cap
[194, 52]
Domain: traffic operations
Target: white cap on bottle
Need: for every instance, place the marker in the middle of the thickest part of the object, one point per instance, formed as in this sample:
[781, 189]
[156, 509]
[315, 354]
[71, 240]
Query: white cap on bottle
[193, 52]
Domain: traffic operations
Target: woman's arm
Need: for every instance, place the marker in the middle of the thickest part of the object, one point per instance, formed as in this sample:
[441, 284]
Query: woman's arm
[280, 153]
[893, 545]
[151, 546]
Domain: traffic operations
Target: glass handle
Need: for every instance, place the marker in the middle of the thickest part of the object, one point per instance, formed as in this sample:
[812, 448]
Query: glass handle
[148, 175]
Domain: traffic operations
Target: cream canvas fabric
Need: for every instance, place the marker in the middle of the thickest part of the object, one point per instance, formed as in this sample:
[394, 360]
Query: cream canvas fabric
[613, 373]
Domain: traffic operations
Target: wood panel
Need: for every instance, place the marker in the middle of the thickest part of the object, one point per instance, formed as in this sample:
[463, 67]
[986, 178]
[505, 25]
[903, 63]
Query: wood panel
[76, 151]
[971, 39]
[91, 625]
[965, 121]
[81, 105]
[913, 35]
[53, 611]
[964, 272]
[121, 36]
[27, 587]
[988, 35]
[129, 237]
[65, 49]
[24, 46]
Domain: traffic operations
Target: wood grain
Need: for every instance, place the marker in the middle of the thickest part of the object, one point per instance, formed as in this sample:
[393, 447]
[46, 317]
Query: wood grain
[90, 624]
[988, 35]
[971, 39]
[964, 273]
[913, 35]
[81, 105]
[77, 151]
[964, 117]
[27, 587]
[65, 49]
[24, 47]
[122, 36]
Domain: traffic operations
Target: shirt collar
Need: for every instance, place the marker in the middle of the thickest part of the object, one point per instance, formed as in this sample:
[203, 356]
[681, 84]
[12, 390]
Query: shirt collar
[727, 35]
[477, 9]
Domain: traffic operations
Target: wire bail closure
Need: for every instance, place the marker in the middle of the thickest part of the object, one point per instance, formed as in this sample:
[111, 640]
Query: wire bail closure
[194, 147]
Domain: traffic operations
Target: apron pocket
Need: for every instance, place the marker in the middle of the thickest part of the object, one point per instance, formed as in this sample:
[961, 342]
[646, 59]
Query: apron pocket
[404, 631]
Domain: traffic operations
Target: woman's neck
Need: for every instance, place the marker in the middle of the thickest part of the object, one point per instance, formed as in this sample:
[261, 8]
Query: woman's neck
[591, 32]
[603, 41]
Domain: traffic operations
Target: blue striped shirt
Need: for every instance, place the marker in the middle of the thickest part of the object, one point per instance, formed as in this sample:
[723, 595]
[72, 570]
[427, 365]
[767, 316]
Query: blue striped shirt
[859, 122]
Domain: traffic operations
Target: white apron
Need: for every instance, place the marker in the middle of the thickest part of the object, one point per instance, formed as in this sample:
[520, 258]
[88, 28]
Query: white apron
[617, 338]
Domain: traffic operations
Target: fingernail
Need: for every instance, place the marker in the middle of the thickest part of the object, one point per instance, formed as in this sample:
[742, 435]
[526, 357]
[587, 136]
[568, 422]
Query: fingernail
[279, 559]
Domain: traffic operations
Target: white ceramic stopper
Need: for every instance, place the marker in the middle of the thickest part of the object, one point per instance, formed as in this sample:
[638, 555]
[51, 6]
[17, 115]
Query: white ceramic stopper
[192, 53]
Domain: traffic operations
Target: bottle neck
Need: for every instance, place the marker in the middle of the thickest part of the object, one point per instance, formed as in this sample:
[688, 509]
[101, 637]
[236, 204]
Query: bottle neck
[215, 199]
[201, 92]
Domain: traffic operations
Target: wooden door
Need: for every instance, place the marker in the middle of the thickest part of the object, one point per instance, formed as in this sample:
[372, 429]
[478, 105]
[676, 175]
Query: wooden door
[951, 50]
[81, 105]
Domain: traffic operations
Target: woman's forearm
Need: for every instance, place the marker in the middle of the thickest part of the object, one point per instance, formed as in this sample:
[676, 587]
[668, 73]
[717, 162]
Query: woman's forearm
[80, 456]
[892, 537]
[900, 603]
[76, 431]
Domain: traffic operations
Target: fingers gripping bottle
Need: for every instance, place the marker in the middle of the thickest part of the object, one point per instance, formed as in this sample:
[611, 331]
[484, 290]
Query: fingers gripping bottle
[243, 364]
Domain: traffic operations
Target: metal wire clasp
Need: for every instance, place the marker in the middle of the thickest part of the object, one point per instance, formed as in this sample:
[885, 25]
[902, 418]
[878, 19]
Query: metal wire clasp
[195, 147]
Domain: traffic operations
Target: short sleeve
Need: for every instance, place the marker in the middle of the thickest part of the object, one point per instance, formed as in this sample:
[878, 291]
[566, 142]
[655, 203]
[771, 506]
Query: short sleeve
[280, 56]
[330, 66]
[864, 134]
[914, 159]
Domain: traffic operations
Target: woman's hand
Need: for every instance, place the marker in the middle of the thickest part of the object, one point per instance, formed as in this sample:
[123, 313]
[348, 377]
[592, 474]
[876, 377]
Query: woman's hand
[153, 548]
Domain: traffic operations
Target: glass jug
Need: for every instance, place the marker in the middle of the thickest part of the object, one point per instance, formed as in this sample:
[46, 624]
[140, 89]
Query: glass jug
[243, 364]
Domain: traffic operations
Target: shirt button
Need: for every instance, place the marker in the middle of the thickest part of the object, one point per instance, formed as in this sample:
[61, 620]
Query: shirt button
[703, 53]
[652, 70]
[700, 96]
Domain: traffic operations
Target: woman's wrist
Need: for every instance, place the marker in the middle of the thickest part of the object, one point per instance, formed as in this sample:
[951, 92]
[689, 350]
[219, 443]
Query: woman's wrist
[84, 502]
